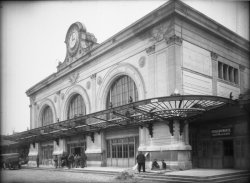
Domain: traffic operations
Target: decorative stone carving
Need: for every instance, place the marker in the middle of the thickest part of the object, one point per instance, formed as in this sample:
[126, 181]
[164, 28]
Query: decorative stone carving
[214, 56]
[150, 49]
[142, 61]
[242, 67]
[99, 80]
[73, 77]
[159, 32]
[79, 42]
[174, 40]
[88, 85]
[32, 100]
[93, 76]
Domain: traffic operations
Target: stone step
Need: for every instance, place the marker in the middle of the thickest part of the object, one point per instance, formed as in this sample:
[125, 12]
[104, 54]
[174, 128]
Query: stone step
[234, 177]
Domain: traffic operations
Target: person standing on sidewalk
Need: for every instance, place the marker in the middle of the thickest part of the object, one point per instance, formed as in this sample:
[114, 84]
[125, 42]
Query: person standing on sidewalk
[56, 161]
[141, 161]
[37, 161]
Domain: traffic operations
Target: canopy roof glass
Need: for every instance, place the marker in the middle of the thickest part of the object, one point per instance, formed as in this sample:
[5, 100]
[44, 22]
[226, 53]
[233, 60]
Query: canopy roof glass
[140, 113]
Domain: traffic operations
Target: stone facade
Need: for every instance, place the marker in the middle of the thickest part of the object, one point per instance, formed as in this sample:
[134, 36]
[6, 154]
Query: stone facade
[161, 54]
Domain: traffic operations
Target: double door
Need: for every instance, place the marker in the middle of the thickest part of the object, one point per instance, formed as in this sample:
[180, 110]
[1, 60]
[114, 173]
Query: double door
[122, 152]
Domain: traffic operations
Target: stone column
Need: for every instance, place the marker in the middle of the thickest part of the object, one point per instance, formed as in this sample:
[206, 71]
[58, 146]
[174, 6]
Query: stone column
[174, 44]
[214, 58]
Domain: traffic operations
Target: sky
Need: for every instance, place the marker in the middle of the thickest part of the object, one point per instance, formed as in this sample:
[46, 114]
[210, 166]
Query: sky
[33, 34]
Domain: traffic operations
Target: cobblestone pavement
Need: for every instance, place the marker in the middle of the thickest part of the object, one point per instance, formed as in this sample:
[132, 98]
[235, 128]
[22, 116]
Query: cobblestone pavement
[47, 176]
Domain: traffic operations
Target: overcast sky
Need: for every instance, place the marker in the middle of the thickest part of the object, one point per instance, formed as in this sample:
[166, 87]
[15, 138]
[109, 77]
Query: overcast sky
[33, 34]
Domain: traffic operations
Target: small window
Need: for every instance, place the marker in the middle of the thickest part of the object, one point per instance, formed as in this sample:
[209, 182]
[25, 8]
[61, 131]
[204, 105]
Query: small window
[228, 73]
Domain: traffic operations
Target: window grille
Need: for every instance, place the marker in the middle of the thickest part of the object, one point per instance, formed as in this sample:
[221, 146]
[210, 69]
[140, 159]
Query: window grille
[76, 107]
[47, 116]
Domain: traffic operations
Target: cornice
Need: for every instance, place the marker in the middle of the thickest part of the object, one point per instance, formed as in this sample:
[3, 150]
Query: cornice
[168, 10]
[211, 25]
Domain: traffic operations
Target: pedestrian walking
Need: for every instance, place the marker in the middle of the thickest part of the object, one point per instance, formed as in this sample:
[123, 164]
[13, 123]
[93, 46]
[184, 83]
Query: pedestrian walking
[141, 161]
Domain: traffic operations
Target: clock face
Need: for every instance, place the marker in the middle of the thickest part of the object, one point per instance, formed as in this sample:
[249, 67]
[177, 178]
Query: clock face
[73, 41]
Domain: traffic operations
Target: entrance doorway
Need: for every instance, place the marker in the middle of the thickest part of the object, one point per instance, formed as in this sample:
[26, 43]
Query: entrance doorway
[228, 154]
[76, 148]
[122, 152]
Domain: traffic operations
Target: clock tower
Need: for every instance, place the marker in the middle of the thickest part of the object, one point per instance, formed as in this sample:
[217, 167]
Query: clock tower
[78, 43]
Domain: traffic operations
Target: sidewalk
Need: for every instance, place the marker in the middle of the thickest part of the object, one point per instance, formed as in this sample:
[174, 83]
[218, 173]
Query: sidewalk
[204, 172]
[186, 173]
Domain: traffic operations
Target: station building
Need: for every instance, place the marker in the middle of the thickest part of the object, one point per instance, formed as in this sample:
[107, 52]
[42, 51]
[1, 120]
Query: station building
[174, 85]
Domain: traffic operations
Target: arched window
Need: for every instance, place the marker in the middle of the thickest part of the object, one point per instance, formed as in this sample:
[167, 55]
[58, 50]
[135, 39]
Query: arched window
[121, 91]
[76, 106]
[47, 116]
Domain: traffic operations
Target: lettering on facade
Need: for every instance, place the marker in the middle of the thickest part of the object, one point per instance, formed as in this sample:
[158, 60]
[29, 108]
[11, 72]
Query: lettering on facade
[221, 132]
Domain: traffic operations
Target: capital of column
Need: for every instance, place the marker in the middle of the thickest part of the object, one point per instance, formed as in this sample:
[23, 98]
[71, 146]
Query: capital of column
[174, 40]
[150, 49]
[242, 68]
[214, 56]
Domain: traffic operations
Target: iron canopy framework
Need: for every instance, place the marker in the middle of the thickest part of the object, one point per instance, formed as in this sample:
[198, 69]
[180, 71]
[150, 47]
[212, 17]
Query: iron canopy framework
[140, 113]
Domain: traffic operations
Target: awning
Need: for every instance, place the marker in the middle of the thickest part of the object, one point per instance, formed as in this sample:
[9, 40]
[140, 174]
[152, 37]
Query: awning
[140, 113]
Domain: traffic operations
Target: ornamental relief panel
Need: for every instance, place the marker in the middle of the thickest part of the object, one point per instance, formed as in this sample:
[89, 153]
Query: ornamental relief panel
[73, 78]
[160, 32]
[142, 62]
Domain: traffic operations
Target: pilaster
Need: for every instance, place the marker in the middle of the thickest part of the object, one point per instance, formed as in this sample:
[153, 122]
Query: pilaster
[33, 153]
[214, 58]
[94, 151]
[93, 89]
[174, 46]
[151, 71]
[241, 79]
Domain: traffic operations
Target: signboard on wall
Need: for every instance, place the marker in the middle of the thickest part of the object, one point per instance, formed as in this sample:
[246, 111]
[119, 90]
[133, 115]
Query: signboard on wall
[221, 132]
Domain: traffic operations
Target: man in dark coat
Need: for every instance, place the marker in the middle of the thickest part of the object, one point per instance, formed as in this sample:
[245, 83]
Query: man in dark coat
[141, 161]
[37, 161]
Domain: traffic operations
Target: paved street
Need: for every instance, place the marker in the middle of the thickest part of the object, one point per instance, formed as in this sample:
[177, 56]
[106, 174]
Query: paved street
[42, 176]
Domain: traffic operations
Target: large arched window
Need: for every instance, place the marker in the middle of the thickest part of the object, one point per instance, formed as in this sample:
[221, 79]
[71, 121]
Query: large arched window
[76, 106]
[121, 90]
[47, 116]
